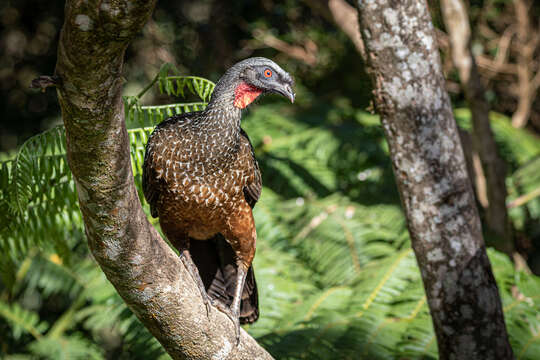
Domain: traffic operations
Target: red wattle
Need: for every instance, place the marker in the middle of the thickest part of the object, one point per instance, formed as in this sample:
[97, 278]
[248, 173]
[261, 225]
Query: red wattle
[245, 94]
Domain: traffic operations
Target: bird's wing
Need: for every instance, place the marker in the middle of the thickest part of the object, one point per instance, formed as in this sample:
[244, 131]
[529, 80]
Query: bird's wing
[152, 179]
[252, 190]
[151, 184]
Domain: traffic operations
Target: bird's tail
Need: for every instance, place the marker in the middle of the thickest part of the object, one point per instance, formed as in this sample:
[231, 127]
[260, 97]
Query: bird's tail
[214, 259]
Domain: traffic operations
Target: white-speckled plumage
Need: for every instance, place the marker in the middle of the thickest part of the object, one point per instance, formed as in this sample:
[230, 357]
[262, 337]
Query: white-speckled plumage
[201, 178]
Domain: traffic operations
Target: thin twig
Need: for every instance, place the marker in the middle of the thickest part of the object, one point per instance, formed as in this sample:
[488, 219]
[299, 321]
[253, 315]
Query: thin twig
[523, 199]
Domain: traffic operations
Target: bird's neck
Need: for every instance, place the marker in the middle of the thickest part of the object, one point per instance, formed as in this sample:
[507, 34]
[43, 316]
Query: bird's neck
[221, 121]
[222, 116]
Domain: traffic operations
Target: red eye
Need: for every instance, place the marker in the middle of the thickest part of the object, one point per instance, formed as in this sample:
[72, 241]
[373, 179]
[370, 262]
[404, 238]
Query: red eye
[268, 73]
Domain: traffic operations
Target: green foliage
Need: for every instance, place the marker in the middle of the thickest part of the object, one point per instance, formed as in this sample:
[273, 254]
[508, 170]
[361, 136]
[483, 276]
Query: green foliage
[337, 277]
[72, 347]
[516, 146]
[138, 115]
[22, 321]
[521, 151]
[524, 187]
[37, 197]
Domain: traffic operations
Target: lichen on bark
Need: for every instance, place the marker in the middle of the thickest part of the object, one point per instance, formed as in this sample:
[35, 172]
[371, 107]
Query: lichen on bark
[430, 170]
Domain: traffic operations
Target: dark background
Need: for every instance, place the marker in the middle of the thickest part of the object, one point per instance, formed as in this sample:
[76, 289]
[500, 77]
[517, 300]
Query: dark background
[204, 38]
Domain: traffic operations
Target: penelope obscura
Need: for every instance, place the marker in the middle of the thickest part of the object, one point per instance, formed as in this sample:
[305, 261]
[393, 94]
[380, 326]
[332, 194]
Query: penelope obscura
[201, 179]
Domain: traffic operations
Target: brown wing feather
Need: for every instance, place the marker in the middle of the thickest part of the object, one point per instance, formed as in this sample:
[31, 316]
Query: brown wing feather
[152, 184]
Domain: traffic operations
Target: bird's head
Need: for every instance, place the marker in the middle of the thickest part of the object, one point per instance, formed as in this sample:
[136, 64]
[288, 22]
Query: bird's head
[254, 76]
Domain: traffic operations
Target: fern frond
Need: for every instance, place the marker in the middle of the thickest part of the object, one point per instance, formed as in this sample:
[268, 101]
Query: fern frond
[517, 147]
[524, 196]
[72, 347]
[176, 85]
[22, 320]
[49, 277]
[39, 165]
[151, 115]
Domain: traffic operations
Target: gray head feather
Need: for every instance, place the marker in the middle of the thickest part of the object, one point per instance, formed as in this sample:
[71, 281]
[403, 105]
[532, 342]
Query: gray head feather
[251, 71]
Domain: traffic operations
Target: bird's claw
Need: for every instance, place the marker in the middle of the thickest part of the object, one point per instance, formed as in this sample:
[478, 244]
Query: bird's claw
[232, 313]
[236, 323]
[234, 317]
[208, 303]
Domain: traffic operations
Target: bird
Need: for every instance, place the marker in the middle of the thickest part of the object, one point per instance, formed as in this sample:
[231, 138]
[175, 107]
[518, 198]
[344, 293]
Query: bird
[201, 179]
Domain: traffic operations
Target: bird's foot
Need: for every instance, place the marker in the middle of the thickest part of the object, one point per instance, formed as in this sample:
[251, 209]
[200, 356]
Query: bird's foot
[207, 303]
[194, 272]
[234, 317]
[236, 323]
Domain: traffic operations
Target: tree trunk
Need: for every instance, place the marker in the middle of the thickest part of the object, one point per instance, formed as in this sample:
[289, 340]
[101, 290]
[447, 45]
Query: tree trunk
[457, 24]
[430, 170]
[141, 266]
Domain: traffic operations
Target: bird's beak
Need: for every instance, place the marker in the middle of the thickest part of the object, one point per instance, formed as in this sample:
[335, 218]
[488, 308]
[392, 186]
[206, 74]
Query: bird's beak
[287, 91]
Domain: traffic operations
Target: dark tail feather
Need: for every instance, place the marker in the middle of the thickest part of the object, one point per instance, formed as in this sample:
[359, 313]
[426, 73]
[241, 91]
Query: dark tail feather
[249, 307]
[215, 260]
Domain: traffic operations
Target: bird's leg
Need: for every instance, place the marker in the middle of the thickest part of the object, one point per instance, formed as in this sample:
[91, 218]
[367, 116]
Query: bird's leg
[186, 259]
[233, 313]
[235, 306]
[234, 318]
[242, 237]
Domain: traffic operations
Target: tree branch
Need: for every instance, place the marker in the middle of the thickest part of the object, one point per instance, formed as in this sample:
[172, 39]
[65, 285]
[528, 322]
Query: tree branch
[141, 266]
[429, 165]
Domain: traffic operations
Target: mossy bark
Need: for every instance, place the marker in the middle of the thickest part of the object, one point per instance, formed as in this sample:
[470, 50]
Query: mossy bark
[142, 267]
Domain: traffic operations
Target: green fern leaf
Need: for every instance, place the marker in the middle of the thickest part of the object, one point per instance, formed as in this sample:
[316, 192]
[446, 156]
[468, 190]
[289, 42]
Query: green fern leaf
[22, 320]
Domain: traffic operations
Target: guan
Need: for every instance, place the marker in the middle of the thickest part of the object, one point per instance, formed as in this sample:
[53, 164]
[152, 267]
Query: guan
[201, 179]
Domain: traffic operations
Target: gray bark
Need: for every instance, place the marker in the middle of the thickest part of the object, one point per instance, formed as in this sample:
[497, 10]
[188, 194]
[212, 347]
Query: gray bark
[457, 24]
[142, 267]
[431, 174]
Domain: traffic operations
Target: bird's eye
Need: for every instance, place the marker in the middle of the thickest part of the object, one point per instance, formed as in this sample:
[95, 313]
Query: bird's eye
[267, 73]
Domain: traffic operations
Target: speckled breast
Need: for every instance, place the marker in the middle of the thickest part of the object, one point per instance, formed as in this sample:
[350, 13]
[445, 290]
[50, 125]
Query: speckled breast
[200, 188]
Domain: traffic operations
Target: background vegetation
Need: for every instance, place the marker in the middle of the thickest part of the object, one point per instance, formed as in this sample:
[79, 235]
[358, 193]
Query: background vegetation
[334, 264]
